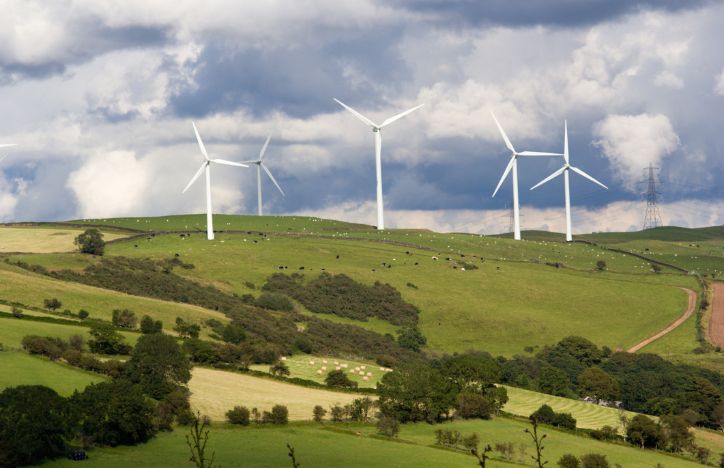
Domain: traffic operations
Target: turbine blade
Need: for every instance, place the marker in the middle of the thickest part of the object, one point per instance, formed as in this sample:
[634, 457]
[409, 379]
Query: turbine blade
[357, 114]
[263, 149]
[508, 144]
[8, 145]
[228, 163]
[505, 174]
[565, 142]
[196, 176]
[268, 172]
[201, 143]
[552, 176]
[580, 172]
[399, 116]
[536, 153]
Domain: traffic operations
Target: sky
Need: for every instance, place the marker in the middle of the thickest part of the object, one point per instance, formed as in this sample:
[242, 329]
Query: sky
[100, 95]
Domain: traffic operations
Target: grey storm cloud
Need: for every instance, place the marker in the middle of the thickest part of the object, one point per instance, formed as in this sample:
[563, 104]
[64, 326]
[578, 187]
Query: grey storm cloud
[519, 13]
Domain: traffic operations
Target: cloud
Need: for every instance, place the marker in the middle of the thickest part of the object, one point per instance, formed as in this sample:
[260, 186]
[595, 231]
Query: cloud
[633, 142]
[719, 84]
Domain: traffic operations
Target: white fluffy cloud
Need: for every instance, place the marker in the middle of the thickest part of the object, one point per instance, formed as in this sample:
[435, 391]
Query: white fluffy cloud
[719, 84]
[632, 142]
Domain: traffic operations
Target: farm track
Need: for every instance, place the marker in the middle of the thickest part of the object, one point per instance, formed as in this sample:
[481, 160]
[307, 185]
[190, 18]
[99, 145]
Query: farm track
[716, 323]
[691, 307]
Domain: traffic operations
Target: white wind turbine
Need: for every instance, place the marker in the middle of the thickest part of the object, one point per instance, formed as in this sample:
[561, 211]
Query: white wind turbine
[205, 168]
[377, 130]
[513, 164]
[564, 170]
[259, 166]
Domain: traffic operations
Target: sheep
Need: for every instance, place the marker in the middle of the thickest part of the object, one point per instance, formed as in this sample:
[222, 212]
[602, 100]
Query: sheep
[337, 368]
[324, 361]
[324, 367]
[365, 378]
[361, 372]
[319, 372]
[361, 367]
[369, 374]
[283, 358]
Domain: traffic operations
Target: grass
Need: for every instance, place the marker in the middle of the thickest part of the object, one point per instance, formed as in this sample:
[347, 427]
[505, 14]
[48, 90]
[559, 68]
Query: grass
[13, 330]
[354, 445]
[301, 366]
[23, 369]
[501, 307]
[214, 392]
[31, 289]
[41, 240]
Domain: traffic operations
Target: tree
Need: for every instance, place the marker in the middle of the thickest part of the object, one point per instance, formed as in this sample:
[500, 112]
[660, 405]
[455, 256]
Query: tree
[359, 409]
[597, 383]
[474, 405]
[234, 333]
[91, 242]
[388, 426]
[124, 318]
[185, 329]
[677, 432]
[279, 415]
[601, 265]
[645, 432]
[553, 381]
[319, 413]
[238, 415]
[34, 425]
[83, 314]
[106, 340]
[279, 369]
[416, 392]
[158, 365]
[52, 304]
[655, 268]
[411, 338]
[482, 456]
[148, 325]
[337, 378]
[197, 439]
[115, 413]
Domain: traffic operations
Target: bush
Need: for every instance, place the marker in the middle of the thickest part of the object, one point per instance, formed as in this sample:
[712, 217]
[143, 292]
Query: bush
[279, 369]
[17, 312]
[337, 413]
[546, 415]
[411, 338]
[238, 415]
[91, 242]
[233, 333]
[274, 301]
[594, 460]
[148, 325]
[337, 378]
[106, 340]
[473, 405]
[83, 314]
[50, 347]
[185, 329]
[388, 426]
[319, 413]
[605, 433]
[279, 415]
[52, 304]
[569, 461]
[600, 265]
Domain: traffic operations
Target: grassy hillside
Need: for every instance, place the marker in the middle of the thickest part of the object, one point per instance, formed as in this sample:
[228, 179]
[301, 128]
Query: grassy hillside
[316, 368]
[356, 446]
[13, 330]
[42, 239]
[501, 306]
[23, 369]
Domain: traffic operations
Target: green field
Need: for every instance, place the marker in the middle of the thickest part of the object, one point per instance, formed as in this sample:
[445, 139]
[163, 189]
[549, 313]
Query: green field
[42, 239]
[13, 330]
[501, 307]
[23, 369]
[316, 368]
[355, 446]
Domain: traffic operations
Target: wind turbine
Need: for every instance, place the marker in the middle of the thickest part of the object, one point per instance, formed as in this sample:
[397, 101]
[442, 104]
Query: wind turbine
[377, 130]
[513, 164]
[205, 167]
[259, 166]
[564, 170]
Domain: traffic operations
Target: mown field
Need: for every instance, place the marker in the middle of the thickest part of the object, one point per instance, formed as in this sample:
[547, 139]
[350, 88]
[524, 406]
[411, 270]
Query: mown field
[316, 368]
[354, 445]
[501, 307]
[42, 239]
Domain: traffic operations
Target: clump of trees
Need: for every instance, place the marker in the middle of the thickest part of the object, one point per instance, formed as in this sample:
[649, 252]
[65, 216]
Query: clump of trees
[106, 340]
[546, 415]
[91, 242]
[124, 318]
[338, 378]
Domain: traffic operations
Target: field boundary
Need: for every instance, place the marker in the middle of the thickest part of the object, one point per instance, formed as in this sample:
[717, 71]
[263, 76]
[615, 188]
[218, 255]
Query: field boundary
[716, 321]
[691, 307]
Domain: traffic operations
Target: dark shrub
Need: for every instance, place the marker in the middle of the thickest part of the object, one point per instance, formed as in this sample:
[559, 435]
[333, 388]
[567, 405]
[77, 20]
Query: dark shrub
[238, 415]
[148, 325]
[337, 378]
[473, 405]
[91, 242]
[46, 346]
[274, 301]
[569, 461]
[388, 426]
[106, 340]
[594, 460]
[319, 413]
[124, 318]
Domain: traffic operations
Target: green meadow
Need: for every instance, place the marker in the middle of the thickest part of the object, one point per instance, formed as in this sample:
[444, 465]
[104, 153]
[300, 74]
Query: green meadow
[18, 368]
[13, 330]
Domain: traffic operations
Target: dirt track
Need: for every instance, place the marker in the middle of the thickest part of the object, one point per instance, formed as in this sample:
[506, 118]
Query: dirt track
[716, 324]
[689, 310]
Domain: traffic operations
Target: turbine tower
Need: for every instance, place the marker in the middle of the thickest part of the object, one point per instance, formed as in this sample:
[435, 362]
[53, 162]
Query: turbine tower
[564, 170]
[513, 164]
[259, 166]
[205, 167]
[652, 219]
[377, 130]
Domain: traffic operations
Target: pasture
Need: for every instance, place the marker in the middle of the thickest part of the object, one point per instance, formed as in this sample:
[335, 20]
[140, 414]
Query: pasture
[214, 392]
[316, 368]
[355, 445]
[23, 369]
[501, 307]
[42, 239]
[13, 330]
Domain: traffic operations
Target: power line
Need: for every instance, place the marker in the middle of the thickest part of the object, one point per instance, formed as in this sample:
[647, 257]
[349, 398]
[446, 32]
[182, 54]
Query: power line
[652, 218]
